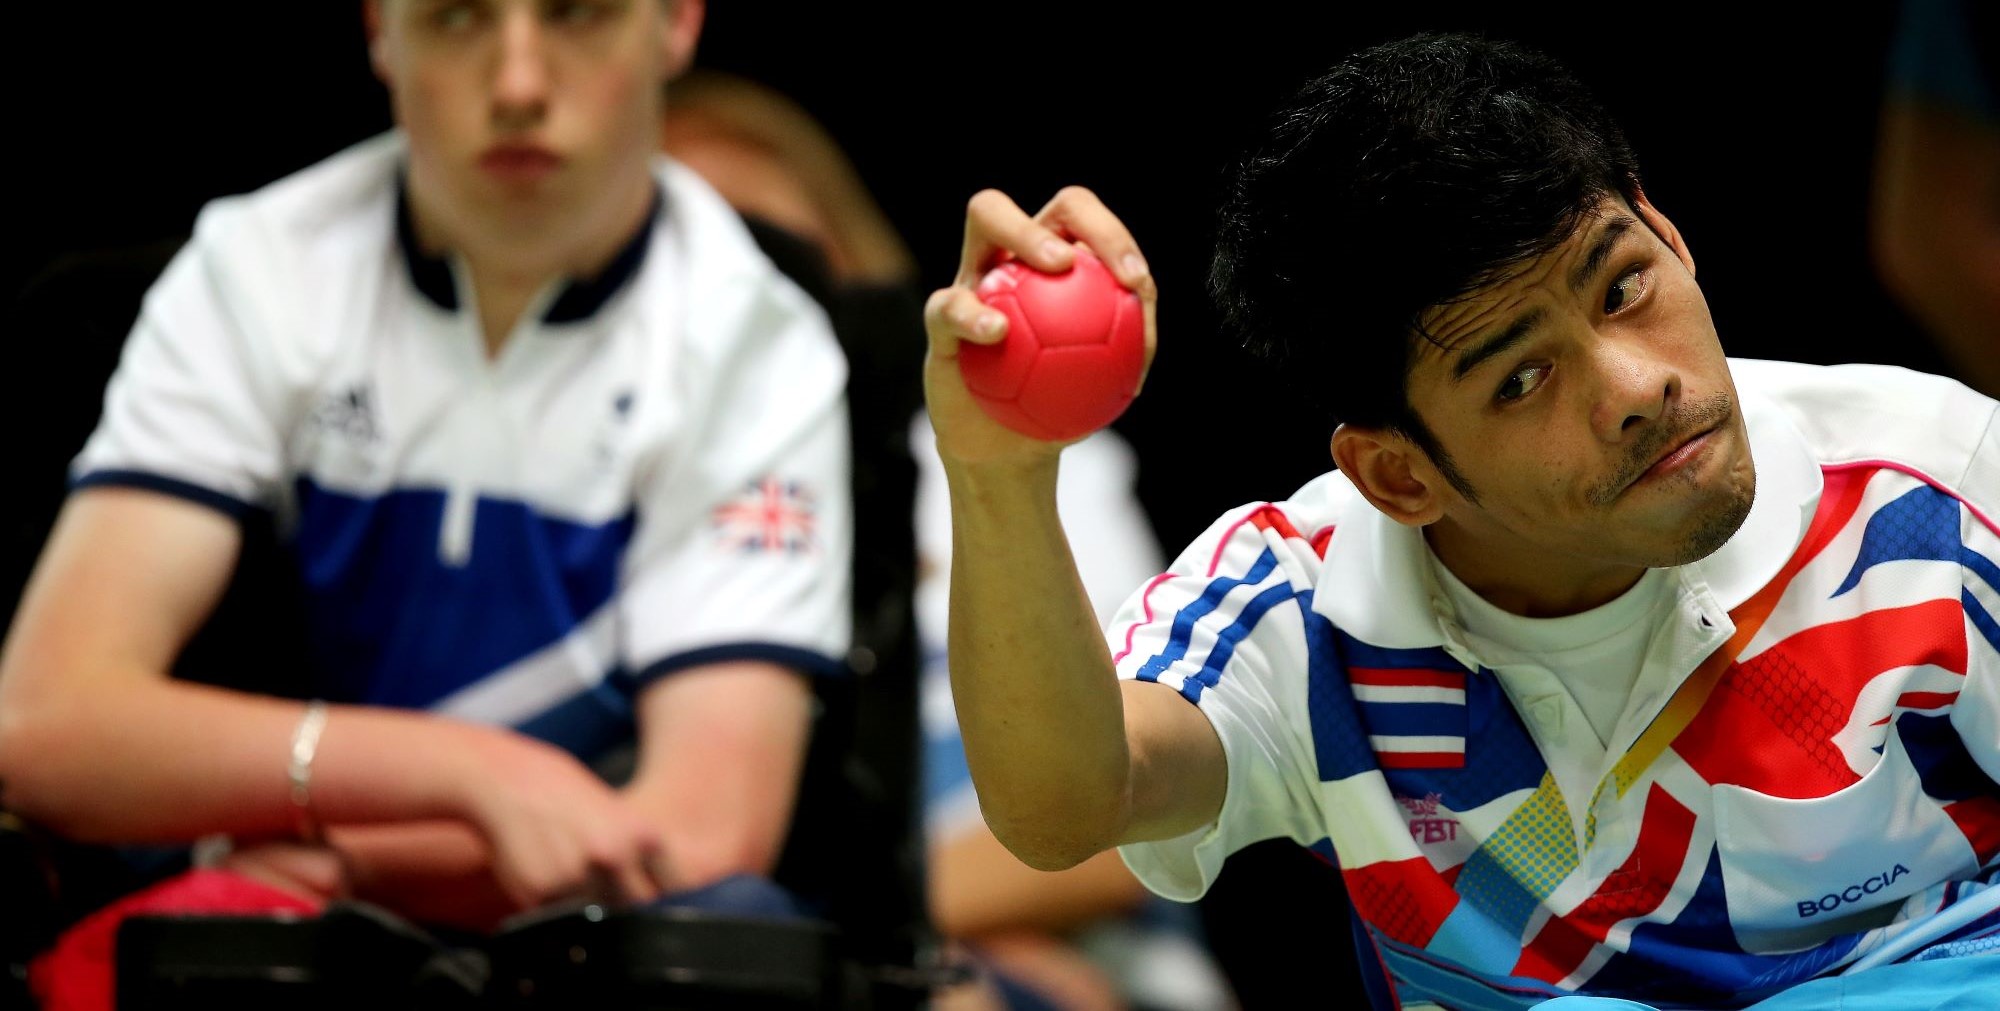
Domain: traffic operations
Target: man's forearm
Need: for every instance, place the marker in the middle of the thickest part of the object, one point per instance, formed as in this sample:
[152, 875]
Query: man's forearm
[1038, 700]
[430, 872]
[159, 760]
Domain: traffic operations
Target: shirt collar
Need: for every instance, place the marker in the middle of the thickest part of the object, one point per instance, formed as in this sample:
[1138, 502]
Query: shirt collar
[577, 300]
[1377, 584]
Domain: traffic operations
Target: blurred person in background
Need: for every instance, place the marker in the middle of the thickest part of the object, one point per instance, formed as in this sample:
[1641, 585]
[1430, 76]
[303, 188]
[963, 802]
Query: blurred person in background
[1089, 937]
[561, 459]
[1935, 218]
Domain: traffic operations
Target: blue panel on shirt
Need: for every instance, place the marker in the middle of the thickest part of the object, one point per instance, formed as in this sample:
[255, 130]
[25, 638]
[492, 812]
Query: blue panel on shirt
[1500, 757]
[1922, 524]
[1695, 959]
[392, 624]
[1339, 744]
[1355, 653]
[1943, 764]
[1428, 976]
[589, 723]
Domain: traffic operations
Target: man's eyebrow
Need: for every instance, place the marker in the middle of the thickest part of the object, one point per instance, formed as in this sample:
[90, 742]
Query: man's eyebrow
[1496, 345]
[1600, 251]
[1579, 280]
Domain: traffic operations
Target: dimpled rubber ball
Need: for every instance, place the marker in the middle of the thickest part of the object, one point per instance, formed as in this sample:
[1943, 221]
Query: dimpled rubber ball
[1070, 362]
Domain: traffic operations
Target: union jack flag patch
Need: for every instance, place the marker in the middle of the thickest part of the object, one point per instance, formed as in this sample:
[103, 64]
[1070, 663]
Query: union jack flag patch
[770, 515]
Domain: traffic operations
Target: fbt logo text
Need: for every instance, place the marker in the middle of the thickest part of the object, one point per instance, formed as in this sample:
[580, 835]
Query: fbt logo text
[1430, 822]
[1852, 893]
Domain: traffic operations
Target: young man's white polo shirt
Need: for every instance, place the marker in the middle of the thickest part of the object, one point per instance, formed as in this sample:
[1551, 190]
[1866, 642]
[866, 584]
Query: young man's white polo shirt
[652, 474]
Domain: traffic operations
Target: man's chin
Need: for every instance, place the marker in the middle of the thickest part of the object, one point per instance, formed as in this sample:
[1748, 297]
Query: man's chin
[1718, 519]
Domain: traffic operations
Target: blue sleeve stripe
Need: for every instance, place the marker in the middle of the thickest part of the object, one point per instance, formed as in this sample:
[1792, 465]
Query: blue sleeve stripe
[803, 660]
[1211, 599]
[1976, 613]
[1225, 644]
[228, 505]
[1981, 566]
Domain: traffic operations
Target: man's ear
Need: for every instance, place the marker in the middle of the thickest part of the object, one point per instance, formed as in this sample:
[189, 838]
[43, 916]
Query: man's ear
[371, 23]
[1387, 469]
[1662, 227]
[680, 34]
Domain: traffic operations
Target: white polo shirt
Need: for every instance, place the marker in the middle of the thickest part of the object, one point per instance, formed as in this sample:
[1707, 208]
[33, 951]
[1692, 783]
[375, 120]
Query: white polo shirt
[1802, 778]
[651, 475]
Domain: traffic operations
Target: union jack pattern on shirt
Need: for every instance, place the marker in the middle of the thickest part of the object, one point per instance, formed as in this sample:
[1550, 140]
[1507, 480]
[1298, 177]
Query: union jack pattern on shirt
[1814, 789]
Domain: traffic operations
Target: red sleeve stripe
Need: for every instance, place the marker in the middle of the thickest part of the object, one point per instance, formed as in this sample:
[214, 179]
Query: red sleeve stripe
[1145, 600]
[1269, 518]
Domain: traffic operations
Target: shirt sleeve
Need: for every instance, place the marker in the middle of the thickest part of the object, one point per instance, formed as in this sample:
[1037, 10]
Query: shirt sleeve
[1225, 628]
[744, 543]
[193, 408]
[1976, 714]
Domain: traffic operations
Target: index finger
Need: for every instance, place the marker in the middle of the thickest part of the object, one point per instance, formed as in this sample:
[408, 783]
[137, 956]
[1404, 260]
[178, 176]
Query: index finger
[1079, 213]
[994, 224]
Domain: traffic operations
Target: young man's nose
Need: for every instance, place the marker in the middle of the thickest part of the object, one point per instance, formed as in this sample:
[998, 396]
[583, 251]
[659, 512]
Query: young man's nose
[521, 77]
[1636, 388]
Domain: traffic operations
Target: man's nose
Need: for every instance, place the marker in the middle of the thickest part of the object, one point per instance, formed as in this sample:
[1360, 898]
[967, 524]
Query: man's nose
[1637, 387]
[521, 80]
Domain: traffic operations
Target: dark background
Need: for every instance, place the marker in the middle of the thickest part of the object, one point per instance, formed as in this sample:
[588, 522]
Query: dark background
[1755, 132]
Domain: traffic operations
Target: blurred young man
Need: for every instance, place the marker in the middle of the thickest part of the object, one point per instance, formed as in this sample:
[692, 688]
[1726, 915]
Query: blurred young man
[1604, 665]
[562, 459]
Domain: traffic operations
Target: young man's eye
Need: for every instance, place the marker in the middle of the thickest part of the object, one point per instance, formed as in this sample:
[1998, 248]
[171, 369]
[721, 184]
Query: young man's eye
[576, 12]
[1627, 288]
[1522, 382]
[454, 15]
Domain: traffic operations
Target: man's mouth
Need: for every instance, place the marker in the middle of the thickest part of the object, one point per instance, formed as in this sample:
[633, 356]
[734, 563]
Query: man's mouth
[1677, 457]
[1681, 450]
[519, 162]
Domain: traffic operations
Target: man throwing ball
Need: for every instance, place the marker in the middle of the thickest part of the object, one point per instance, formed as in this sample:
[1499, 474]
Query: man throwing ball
[1603, 666]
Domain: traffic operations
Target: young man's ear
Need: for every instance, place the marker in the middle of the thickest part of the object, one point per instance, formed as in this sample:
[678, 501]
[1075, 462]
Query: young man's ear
[680, 34]
[1662, 227]
[378, 49]
[1390, 472]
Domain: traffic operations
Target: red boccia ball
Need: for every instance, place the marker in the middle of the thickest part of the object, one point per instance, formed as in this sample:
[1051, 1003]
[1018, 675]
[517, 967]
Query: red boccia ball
[1075, 345]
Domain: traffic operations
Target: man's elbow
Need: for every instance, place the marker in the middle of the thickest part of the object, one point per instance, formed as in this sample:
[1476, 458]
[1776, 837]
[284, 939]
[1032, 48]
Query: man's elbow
[1053, 848]
[29, 746]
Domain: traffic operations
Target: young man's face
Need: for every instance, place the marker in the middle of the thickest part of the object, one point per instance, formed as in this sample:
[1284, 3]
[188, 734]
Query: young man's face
[526, 117]
[1587, 405]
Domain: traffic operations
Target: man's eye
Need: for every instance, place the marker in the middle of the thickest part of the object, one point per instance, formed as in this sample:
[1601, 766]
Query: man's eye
[575, 12]
[1629, 286]
[1522, 382]
[454, 16]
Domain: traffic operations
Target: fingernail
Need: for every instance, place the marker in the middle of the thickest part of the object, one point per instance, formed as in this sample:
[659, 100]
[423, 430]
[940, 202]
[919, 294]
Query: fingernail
[1134, 265]
[1054, 251]
[989, 324]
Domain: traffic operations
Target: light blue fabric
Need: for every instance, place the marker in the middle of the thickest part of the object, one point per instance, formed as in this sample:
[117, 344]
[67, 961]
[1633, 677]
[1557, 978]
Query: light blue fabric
[743, 895]
[1969, 983]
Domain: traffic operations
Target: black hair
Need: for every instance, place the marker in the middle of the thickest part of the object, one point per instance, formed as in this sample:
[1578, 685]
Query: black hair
[1412, 175]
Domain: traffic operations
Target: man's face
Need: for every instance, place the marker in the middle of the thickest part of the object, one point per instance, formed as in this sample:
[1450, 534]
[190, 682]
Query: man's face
[527, 118]
[1587, 404]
